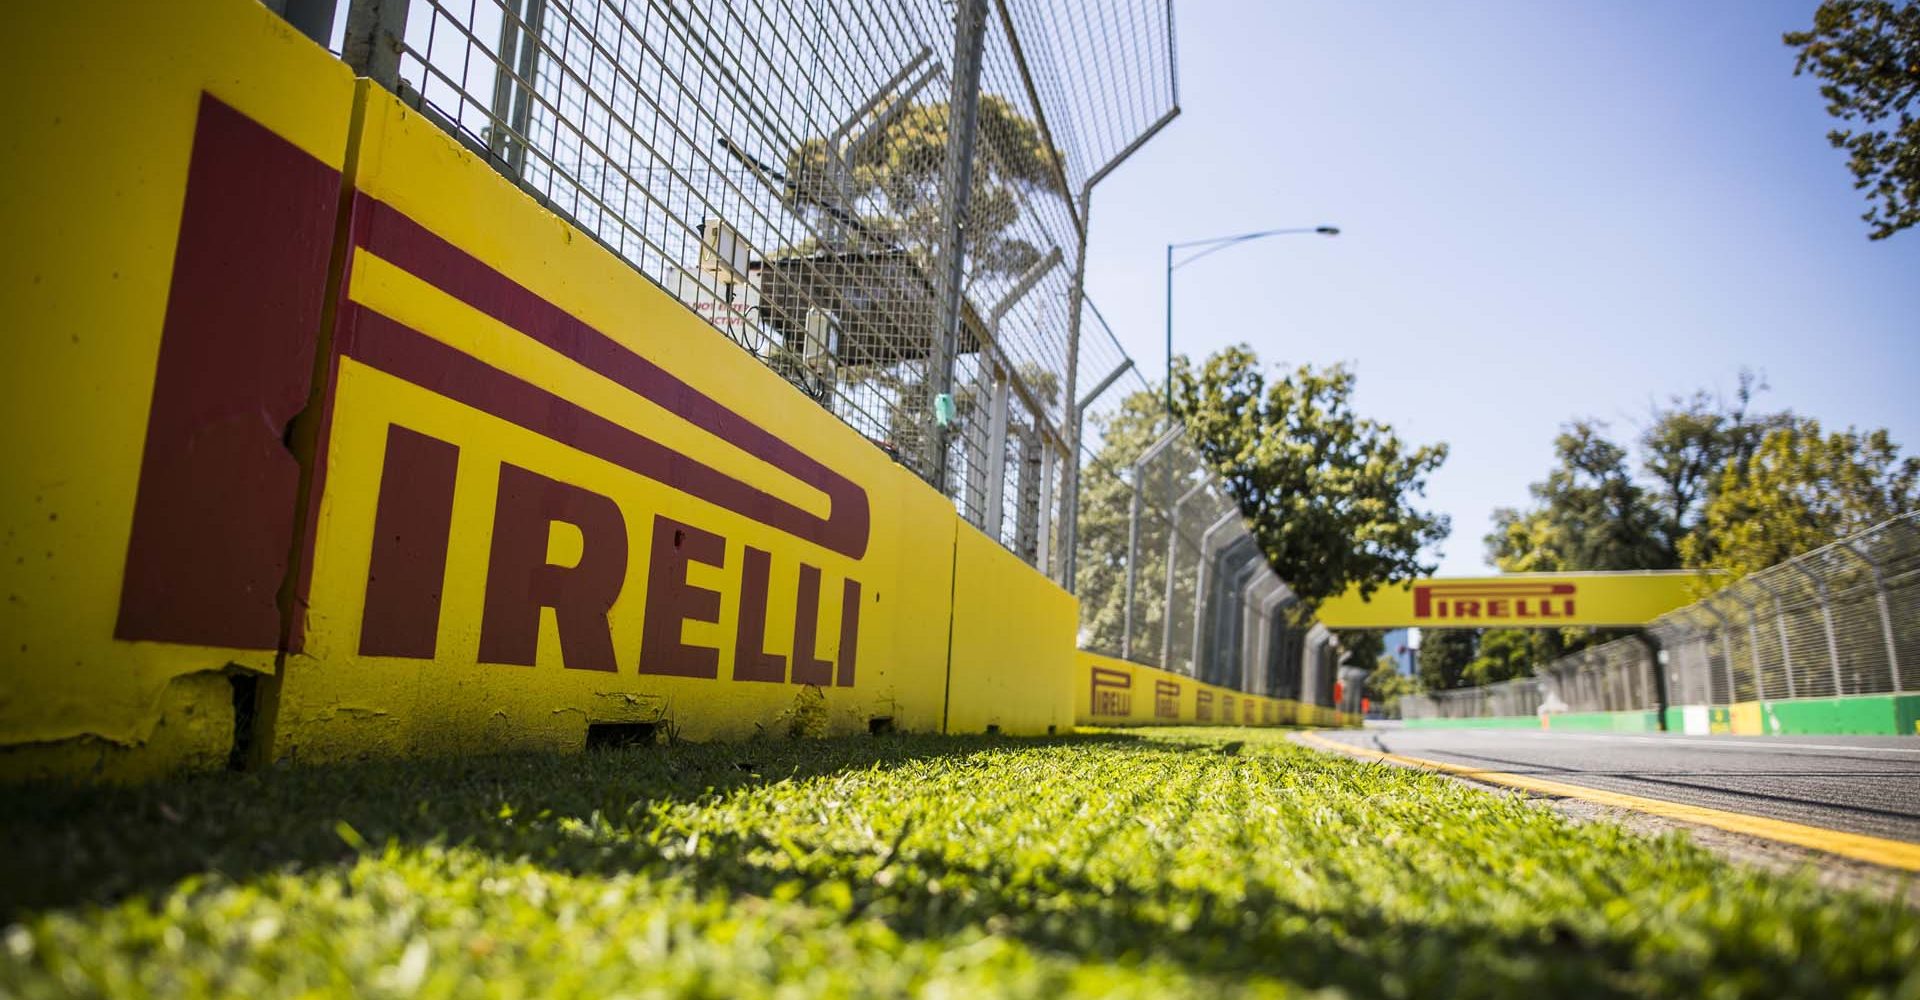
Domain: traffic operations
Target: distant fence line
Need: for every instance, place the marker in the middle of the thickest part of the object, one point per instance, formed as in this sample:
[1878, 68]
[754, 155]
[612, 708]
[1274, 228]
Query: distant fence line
[1839, 621]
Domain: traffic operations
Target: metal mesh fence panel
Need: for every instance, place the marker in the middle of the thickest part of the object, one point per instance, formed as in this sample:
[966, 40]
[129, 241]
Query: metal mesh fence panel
[1523, 696]
[885, 202]
[1838, 621]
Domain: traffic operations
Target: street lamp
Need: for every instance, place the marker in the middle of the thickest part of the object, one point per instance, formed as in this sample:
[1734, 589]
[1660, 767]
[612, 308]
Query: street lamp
[1215, 245]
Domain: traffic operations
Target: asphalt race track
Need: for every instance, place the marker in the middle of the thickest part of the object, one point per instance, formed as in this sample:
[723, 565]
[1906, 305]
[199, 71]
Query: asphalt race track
[1858, 784]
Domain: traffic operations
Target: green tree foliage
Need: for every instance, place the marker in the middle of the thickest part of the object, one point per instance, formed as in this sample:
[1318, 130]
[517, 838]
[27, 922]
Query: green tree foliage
[1592, 512]
[1686, 449]
[1866, 54]
[1363, 645]
[1802, 489]
[1723, 486]
[1331, 495]
[1386, 685]
[1106, 504]
[890, 192]
[1502, 654]
[1589, 514]
[1444, 656]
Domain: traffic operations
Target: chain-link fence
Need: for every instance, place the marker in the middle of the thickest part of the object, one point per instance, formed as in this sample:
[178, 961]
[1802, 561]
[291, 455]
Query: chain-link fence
[883, 200]
[1840, 620]
[1167, 571]
[1516, 697]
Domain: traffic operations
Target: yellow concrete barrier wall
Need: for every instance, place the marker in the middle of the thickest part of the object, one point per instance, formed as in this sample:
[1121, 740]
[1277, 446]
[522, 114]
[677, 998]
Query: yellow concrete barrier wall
[1013, 644]
[172, 174]
[550, 496]
[1114, 692]
[303, 393]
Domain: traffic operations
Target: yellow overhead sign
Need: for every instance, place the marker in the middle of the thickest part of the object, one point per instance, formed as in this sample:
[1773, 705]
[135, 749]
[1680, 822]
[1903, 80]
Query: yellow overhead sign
[1517, 600]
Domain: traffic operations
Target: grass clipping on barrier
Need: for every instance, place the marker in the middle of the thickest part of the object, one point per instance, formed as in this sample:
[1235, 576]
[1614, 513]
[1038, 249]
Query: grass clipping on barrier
[1196, 861]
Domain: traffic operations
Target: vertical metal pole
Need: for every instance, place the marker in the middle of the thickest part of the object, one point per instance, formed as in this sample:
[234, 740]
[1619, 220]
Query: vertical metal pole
[1886, 613]
[1650, 646]
[1753, 644]
[995, 459]
[1726, 649]
[513, 82]
[1070, 480]
[1173, 543]
[1780, 624]
[963, 127]
[312, 18]
[1169, 386]
[376, 34]
[1133, 564]
[1826, 618]
[1049, 463]
[1205, 581]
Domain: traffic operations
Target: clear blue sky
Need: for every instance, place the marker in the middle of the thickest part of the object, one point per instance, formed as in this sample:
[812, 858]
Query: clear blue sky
[1551, 210]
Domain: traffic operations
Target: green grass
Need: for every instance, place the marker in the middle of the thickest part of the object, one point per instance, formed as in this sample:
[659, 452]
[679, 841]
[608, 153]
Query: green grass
[1209, 862]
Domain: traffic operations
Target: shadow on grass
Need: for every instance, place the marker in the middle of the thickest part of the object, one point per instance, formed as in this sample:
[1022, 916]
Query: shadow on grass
[74, 847]
[79, 844]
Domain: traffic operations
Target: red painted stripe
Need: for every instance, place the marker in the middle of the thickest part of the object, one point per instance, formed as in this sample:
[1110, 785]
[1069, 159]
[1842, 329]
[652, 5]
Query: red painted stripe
[213, 521]
[424, 254]
[401, 351]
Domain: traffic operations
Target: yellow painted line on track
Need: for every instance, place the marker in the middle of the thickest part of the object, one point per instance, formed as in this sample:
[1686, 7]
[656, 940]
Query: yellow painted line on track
[1859, 847]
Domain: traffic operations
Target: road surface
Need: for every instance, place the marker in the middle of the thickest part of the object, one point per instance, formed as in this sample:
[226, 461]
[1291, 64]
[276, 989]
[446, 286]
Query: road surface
[1858, 784]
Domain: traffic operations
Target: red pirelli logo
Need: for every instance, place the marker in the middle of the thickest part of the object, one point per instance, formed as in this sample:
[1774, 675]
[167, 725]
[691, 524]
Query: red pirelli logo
[1477, 601]
[1112, 692]
[218, 490]
[1166, 699]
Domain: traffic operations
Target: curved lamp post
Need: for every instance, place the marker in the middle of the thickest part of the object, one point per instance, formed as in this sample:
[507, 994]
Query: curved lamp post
[1211, 246]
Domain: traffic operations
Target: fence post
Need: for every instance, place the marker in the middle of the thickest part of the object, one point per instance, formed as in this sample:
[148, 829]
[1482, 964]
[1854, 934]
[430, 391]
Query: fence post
[1780, 622]
[1205, 581]
[1133, 566]
[1650, 645]
[1173, 546]
[1826, 617]
[1753, 643]
[376, 33]
[1886, 614]
[1137, 470]
[513, 82]
[1726, 648]
[963, 129]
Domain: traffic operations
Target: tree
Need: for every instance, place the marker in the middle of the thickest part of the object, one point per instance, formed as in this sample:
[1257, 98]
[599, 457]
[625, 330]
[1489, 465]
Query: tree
[1106, 505]
[1331, 495]
[1503, 654]
[1801, 490]
[1589, 513]
[1688, 445]
[1363, 645]
[890, 192]
[1444, 655]
[1386, 685]
[1867, 53]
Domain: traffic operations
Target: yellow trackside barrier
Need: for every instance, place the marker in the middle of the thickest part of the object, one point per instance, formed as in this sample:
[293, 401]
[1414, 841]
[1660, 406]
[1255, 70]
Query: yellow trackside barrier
[323, 440]
[1744, 719]
[172, 179]
[549, 497]
[1115, 692]
[1013, 644]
